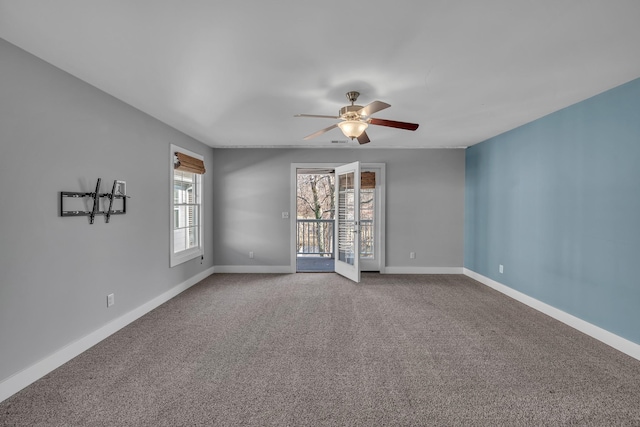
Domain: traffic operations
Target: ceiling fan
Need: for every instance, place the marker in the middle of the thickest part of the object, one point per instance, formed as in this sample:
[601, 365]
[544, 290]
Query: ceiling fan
[356, 118]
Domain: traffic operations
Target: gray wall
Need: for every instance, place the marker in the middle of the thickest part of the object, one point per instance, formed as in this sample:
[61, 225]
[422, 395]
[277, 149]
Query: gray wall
[424, 209]
[58, 133]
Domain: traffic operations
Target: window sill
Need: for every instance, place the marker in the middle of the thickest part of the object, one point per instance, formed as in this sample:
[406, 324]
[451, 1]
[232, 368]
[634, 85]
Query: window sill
[184, 256]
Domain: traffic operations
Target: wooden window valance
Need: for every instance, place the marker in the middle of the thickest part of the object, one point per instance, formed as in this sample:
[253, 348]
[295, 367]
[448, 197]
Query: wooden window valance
[189, 164]
[367, 180]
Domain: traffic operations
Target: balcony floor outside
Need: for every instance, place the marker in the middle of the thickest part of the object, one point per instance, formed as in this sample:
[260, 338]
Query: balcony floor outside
[314, 264]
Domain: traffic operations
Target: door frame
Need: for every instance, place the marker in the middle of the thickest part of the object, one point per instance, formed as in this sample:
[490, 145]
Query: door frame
[347, 221]
[380, 209]
[378, 264]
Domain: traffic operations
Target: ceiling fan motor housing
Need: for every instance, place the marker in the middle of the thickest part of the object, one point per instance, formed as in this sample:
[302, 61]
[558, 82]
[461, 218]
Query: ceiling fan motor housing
[350, 112]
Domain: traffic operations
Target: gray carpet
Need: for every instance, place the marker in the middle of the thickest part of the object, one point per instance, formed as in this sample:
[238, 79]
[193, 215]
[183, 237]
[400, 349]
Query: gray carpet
[316, 349]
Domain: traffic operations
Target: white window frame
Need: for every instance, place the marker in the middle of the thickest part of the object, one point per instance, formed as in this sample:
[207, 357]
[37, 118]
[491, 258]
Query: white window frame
[177, 258]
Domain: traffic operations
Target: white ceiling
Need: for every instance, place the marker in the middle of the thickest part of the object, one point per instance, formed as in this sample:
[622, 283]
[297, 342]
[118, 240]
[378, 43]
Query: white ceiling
[234, 73]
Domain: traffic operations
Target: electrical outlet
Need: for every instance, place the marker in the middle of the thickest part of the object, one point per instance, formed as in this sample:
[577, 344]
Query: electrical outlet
[111, 299]
[501, 268]
[285, 215]
[412, 255]
[251, 254]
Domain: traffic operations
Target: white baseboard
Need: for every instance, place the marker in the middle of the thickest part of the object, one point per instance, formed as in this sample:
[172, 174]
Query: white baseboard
[422, 270]
[22, 379]
[628, 347]
[286, 269]
[254, 269]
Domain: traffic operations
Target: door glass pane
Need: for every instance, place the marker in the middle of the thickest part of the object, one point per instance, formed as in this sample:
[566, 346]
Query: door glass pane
[346, 222]
[367, 208]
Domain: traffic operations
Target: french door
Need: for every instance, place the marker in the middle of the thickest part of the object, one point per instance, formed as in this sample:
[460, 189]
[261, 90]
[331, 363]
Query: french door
[347, 241]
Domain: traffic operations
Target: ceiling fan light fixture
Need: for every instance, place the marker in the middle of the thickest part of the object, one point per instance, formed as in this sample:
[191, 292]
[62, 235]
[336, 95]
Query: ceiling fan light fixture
[352, 128]
[356, 119]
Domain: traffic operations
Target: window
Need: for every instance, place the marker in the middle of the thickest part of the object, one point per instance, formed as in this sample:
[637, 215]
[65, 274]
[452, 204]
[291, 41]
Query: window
[186, 205]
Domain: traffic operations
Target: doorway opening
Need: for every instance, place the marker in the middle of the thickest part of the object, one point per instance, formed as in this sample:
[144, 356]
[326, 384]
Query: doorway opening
[313, 231]
[315, 213]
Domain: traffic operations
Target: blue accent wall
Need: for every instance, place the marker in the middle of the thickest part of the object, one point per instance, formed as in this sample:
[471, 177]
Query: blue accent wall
[557, 202]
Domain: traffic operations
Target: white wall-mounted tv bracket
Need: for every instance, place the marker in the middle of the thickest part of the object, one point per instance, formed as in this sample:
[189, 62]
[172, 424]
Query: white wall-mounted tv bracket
[117, 192]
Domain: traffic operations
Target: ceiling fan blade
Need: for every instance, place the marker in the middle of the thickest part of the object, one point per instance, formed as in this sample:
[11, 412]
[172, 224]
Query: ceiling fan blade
[320, 132]
[374, 107]
[394, 124]
[317, 116]
[363, 138]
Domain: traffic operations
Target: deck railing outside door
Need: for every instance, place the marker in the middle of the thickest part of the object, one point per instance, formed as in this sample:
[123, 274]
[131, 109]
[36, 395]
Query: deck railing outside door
[315, 237]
